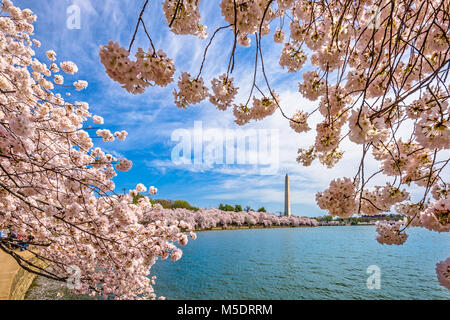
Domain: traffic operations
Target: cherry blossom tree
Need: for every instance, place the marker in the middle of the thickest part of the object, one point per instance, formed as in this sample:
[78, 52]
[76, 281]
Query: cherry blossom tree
[56, 188]
[204, 219]
[378, 71]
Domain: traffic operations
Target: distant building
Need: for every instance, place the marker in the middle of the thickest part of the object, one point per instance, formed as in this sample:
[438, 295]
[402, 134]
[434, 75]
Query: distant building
[383, 216]
[287, 197]
[374, 216]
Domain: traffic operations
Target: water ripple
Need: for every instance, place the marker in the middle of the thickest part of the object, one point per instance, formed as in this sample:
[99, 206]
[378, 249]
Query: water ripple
[303, 263]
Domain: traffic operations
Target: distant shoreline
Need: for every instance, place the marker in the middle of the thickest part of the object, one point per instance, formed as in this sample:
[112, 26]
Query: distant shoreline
[247, 227]
[275, 227]
[346, 225]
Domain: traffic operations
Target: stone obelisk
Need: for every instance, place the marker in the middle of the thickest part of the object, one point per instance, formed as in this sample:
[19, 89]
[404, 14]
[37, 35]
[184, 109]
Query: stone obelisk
[287, 197]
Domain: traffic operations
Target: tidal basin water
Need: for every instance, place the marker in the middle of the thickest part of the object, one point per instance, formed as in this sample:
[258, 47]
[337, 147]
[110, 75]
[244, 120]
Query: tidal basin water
[304, 263]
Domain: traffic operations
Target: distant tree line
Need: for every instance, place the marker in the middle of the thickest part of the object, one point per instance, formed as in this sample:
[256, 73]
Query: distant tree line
[238, 208]
[173, 204]
[169, 204]
[356, 220]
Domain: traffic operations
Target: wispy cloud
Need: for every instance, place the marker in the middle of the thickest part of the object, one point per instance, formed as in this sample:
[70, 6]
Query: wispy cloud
[151, 118]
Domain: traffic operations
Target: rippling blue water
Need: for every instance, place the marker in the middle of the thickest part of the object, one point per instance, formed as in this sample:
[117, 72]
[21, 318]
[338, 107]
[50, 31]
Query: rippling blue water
[304, 263]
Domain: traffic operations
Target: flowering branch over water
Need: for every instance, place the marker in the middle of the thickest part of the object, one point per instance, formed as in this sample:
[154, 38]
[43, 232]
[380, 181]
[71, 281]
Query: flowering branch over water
[378, 71]
[56, 190]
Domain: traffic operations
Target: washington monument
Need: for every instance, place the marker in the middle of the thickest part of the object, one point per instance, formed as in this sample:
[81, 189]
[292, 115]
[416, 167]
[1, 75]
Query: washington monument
[287, 197]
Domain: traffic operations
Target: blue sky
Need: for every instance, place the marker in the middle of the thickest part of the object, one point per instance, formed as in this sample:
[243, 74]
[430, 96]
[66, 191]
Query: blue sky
[151, 118]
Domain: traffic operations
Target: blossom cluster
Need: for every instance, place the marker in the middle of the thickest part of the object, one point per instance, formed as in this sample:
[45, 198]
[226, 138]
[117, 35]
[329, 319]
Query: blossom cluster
[185, 17]
[382, 199]
[292, 58]
[443, 273]
[224, 92]
[261, 108]
[390, 233]
[191, 91]
[388, 97]
[313, 86]
[246, 17]
[437, 216]
[339, 199]
[56, 187]
[211, 218]
[149, 69]
[299, 122]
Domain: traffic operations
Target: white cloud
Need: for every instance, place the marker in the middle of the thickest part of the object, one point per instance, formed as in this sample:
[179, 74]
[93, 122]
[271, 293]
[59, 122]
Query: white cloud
[151, 118]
